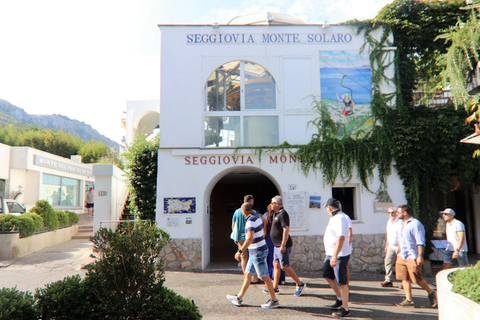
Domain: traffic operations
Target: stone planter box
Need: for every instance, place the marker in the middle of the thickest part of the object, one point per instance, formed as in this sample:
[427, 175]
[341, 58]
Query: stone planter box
[13, 247]
[452, 305]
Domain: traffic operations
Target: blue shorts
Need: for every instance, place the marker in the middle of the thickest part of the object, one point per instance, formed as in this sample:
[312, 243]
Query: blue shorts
[462, 258]
[257, 263]
[282, 258]
[339, 273]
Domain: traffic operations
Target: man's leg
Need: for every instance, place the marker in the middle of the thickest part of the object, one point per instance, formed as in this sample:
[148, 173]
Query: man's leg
[447, 259]
[271, 290]
[292, 274]
[276, 274]
[407, 288]
[333, 284]
[389, 264]
[246, 283]
[345, 295]
[424, 284]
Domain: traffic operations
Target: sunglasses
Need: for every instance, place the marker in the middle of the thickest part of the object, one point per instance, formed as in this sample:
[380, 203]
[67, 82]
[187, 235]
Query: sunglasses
[391, 212]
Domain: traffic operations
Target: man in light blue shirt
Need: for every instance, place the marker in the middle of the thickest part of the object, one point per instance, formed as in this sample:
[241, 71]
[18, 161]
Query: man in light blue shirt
[411, 246]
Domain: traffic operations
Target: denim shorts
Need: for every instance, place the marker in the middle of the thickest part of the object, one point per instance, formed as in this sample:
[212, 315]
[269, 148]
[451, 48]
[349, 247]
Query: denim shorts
[257, 263]
[282, 258]
[462, 258]
[339, 273]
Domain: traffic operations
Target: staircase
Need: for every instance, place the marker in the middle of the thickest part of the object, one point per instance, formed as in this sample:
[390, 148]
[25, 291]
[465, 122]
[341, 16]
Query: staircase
[84, 232]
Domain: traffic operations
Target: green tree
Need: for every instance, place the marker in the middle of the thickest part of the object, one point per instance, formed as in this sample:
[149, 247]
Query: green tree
[141, 169]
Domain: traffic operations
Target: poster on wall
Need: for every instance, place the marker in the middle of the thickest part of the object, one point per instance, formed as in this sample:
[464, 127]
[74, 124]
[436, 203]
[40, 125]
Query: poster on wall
[179, 205]
[346, 90]
[315, 202]
[294, 204]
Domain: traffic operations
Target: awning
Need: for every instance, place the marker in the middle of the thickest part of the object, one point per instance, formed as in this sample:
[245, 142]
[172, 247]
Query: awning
[474, 138]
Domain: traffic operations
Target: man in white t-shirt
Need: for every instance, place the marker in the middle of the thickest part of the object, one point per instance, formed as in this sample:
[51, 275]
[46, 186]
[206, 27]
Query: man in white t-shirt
[456, 243]
[337, 254]
[391, 246]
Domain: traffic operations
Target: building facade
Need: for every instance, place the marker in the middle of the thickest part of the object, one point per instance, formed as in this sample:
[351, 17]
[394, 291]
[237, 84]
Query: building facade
[252, 83]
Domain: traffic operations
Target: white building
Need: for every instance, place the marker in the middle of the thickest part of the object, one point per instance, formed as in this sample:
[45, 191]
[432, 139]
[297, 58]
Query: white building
[248, 84]
[40, 175]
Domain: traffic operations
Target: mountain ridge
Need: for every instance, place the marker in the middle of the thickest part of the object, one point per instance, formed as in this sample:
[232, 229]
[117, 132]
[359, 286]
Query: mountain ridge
[11, 114]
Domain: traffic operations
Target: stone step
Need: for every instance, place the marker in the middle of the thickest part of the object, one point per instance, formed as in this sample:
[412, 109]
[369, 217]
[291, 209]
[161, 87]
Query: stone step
[83, 235]
[85, 228]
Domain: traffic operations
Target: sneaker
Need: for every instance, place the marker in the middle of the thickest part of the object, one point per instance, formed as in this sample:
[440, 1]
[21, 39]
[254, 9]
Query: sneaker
[266, 291]
[336, 305]
[386, 284]
[234, 299]
[433, 298]
[407, 304]
[271, 304]
[299, 290]
[342, 312]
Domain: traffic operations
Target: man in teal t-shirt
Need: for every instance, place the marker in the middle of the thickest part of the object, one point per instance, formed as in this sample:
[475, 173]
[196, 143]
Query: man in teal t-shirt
[238, 223]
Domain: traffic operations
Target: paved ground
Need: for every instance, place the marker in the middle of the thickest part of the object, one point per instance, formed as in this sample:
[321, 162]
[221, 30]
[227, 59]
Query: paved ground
[208, 289]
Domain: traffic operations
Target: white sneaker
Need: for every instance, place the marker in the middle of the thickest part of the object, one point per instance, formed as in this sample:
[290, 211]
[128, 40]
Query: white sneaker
[271, 304]
[234, 299]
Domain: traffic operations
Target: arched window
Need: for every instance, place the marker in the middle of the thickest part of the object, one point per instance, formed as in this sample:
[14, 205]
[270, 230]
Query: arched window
[241, 108]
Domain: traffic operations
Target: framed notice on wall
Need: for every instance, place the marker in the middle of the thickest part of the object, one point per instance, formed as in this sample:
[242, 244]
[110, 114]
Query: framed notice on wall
[294, 204]
[179, 205]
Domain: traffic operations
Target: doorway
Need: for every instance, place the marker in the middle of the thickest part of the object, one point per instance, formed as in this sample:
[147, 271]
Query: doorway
[226, 197]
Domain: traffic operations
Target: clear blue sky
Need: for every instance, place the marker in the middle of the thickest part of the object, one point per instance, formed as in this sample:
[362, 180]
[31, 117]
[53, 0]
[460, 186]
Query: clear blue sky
[85, 59]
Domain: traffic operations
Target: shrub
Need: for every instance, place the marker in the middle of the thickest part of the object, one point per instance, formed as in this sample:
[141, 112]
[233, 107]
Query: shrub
[25, 225]
[65, 299]
[43, 208]
[37, 219]
[72, 217]
[168, 305]
[7, 222]
[16, 305]
[63, 220]
[467, 282]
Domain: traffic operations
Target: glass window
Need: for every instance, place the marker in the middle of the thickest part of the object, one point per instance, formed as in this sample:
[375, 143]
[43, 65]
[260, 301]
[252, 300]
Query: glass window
[2, 188]
[260, 131]
[222, 131]
[60, 191]
[346, 196]
[248, 89]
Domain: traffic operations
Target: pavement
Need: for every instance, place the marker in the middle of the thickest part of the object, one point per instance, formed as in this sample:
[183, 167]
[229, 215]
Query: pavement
[208, 289]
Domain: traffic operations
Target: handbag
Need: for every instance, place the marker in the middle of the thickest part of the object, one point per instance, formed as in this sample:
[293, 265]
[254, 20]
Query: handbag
[234, 235]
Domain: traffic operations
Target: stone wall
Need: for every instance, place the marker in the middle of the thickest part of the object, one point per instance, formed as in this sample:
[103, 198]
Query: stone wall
[307, 254]
[183, 254]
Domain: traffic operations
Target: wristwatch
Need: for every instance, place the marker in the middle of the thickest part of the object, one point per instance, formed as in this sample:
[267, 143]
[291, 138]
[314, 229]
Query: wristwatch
[239, 250]
[284, 245]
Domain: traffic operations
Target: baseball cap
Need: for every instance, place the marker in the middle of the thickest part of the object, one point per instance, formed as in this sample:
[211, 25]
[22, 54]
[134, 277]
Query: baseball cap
[448, 211]
[332, 202]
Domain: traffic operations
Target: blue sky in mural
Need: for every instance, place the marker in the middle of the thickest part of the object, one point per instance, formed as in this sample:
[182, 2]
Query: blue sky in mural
[345, 72]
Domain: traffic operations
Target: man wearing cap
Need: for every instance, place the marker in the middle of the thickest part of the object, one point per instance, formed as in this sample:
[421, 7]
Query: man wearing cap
[411, 246]
[457, 244]
[391, 246]
[337, 254]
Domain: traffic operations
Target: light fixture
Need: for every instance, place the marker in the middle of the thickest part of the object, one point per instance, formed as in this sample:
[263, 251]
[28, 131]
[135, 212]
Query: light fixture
[326, 25]
[215, 25]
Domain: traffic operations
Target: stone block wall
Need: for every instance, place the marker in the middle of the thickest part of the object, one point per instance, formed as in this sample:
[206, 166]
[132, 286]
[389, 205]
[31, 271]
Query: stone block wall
[307, 255]
[183, 254]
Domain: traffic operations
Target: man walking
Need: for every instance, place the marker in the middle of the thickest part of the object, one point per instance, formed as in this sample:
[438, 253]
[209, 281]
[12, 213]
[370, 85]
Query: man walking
[238, 225]
[337, 254]
[280, 234]
[391, 246]
[257, 262]
[89, 202]
[457, 248]
[411, 246]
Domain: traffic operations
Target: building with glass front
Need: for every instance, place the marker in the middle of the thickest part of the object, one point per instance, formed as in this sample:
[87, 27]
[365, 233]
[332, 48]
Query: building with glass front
[38, 175]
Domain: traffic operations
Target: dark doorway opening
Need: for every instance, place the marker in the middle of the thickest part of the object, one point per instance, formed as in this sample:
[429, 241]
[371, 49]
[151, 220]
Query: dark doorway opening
[227, 196]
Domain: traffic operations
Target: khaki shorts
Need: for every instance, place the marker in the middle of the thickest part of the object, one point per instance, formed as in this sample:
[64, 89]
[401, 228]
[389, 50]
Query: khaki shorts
[407, 270]
[244, 254]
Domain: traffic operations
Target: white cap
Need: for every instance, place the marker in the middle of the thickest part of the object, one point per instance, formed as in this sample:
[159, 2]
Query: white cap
[448, 211]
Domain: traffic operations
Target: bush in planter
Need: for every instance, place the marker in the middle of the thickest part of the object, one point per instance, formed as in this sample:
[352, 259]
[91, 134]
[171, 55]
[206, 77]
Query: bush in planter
[467, 282]
[65, 299]
[25, 225]
[16, 305]
[63, 220]
[72, 217]
[45, 210]
[37, 220]
[7, 222]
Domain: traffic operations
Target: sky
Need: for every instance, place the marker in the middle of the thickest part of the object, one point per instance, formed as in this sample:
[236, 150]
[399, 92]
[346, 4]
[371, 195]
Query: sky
[85, 59]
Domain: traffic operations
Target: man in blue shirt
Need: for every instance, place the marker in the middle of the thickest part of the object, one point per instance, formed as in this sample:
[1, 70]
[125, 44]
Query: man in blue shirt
[411, 246]
[257, 262]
